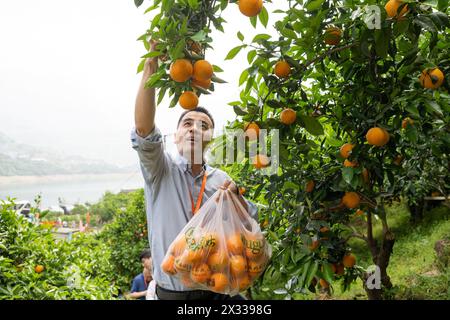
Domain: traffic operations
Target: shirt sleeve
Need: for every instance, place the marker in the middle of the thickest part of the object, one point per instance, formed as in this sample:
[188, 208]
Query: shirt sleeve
[153, 158]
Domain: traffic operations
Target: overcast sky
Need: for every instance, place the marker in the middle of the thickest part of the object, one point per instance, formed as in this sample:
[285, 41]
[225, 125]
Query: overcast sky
[68, 74]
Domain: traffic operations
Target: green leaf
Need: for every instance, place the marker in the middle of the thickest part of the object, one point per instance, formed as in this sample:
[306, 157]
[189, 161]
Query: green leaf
[432, 107]
[151, 54]
[239, 111]
[289, 33]
[251, 55]
[253, 21]
[347, 174]
[328, 272]
[312, 125]
[312, 270]
[216, 79]
[243, 77]
[141, 66]
[161, 95]
[426, 23]
[240, 36]
[261, 37]
[382, 42]
[199, 36]
[233, 52]
[138, 3]
[217, 68]
[314, 5]
[411, 133]
[264, 16]
[443, 5]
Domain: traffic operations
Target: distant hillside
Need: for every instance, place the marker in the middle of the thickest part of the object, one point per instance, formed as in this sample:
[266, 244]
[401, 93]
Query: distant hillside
[18, 159]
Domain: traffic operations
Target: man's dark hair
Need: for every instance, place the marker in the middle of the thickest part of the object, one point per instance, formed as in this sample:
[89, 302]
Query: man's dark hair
[198, 109]
[146, 254]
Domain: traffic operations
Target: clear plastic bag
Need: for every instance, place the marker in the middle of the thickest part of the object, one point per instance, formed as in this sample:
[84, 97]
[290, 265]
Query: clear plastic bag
[221, 249]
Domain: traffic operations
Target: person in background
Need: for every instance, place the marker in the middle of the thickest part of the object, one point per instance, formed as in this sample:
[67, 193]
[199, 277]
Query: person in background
[141, 281]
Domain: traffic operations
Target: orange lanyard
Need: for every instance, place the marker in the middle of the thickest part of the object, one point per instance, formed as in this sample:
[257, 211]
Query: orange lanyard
[200, 196]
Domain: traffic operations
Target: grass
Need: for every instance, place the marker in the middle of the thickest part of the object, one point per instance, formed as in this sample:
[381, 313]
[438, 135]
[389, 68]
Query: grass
[413, 268]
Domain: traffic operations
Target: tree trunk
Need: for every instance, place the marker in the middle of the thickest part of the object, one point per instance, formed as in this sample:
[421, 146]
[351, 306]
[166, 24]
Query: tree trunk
[380, 257]
[416, 211]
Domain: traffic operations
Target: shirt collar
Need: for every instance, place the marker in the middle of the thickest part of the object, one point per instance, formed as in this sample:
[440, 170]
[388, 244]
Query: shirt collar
[184, 165]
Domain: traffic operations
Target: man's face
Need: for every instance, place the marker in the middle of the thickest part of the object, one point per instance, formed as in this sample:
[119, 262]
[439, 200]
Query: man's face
[193, 135]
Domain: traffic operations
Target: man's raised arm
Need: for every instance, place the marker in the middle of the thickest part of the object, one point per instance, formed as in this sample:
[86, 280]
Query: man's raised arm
[144, 113]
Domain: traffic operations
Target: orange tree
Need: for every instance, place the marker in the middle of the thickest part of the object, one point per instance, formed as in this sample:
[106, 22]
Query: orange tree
[371, 126]
[359, 94]
[126, 237]
[34, 266]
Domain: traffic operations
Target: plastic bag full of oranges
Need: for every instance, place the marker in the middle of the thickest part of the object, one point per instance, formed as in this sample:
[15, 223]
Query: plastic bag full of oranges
[221, 249]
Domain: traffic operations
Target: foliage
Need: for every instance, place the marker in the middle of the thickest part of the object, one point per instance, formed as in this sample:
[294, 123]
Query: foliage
[126, 237]
[78, 269]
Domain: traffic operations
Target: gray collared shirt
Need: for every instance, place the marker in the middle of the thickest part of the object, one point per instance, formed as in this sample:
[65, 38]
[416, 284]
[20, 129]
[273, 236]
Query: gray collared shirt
[168, 203]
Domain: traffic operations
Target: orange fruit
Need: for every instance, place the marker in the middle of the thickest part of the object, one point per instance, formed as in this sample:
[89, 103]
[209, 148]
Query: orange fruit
[314, 245]
[255, 268]
[195, 256]
[288, 116]
[251, 130]
[188, 100]
[332, 36]
[242, 282]
[203, 70]
[182, 264]
[235, 244]
[209, 242]
[200, 273]
[365, 176]
[282, 69]
[349, 260]
[242, 190]
[392, 9]
[359, 213]
[407, 122]
[323, 283]
[261, 161]
[377, 136]
[254, 246]
[187, 281]
[218, 282]
[431, 78]
[218, 261]
[178, 246]
[346, 150]
[238, 265]
[324, 229]
[168, 265]
[39, 268]
[340, 269]
[350, 164]
[310, 186]
[351, 200]
[205, 84]
[181, 70]
[250, 8]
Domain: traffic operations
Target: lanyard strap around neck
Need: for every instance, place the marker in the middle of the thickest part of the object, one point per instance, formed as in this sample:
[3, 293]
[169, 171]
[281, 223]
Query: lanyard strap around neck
[200, 196]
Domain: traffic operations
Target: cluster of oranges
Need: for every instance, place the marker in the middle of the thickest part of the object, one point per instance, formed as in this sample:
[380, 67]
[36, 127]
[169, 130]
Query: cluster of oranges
[199, 74]
[223, 265]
